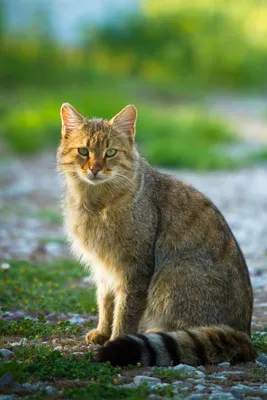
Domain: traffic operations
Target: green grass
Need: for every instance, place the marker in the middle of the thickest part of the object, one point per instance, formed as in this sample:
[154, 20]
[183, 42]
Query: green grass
[259, 340]
[168, 373]
[103, 392]
[53, 288]
[41, 328]
[45, 363]
[46, 288]
[182, 137]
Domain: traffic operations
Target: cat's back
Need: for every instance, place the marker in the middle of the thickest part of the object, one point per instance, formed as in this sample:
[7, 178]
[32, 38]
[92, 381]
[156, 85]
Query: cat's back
[191, 223]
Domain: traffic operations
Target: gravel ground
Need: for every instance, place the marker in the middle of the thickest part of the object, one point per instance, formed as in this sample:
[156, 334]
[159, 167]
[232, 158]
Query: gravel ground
[30, 229]
[31, 225]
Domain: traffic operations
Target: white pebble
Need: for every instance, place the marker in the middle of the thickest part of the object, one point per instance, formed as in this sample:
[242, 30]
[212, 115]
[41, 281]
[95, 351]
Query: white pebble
[139, 379]
[224, 364]
[5, 266]
[4, 353]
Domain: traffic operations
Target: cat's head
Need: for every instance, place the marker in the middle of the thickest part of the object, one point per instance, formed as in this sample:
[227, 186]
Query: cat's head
[97, 150]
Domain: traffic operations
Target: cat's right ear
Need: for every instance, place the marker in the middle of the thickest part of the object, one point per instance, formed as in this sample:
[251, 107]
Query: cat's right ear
[71, 119]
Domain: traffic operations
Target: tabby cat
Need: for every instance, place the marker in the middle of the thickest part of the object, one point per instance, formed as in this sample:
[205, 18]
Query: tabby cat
[163, 258]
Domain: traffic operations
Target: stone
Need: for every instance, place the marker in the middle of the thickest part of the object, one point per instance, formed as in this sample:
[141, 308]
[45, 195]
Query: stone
[15, 344]
[6, 381]
[196, 396]
[7, 397]
[253, 398]
[51, 390]
[199, 374]
[221, 396]
[238, 395]
[129, 385]
[241, 388]
[215, 387]
[159, 386]
[200, 388]
[217, 375]
[233, 372]
[183, 368]
[5, 266]
[201, 368]
[4, 353]
[182, 385]
[77, 320]
[59, 348]
[139, 379]
[224, 364]
[200, 381]
[148, 372]
[153, 396]
[187, 371]
[262, 359]
[263, 387]
[23, 341]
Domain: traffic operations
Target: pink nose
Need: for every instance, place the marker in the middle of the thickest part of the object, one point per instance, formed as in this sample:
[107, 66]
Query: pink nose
[95, 168]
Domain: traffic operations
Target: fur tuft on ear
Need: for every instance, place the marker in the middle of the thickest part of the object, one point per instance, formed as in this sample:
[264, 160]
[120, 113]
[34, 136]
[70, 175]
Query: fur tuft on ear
[71, 119]
[125, 120]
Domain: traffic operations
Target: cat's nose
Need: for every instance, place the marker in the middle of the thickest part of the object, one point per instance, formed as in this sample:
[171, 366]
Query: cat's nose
[95, 168]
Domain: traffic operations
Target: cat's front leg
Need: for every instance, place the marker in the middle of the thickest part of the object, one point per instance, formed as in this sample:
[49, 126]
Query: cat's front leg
[130, 304]
[102, 333]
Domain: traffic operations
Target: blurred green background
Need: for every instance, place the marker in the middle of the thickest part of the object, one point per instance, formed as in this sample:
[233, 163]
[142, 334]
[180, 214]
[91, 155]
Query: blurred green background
[171, 59]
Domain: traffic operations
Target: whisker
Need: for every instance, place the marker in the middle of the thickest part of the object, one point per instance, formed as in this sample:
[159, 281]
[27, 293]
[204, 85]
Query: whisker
[123, 176]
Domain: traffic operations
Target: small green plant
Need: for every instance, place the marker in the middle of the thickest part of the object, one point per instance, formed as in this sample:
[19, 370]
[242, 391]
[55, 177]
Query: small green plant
[259, 340]
[167, 373]
[258, 371]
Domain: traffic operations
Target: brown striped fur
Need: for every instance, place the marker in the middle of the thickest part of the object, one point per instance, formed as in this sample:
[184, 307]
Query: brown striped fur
[162, 255]
[202, 345]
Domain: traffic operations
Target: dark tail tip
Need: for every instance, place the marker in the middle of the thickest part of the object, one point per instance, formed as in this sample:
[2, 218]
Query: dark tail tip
[121, 352]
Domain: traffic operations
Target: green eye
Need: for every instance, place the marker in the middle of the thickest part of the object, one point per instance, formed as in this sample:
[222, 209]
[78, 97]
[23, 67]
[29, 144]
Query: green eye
[83, 151]
[111, 153]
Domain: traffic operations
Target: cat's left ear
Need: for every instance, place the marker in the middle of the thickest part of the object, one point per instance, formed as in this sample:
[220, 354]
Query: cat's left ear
[125, 120]
[71, 119]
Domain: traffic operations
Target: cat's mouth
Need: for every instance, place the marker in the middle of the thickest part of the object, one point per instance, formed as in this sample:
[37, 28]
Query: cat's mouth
[95, 179]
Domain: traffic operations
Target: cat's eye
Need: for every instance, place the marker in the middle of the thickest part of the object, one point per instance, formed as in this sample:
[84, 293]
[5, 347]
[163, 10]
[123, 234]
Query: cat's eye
[83, 151]
[111, 153]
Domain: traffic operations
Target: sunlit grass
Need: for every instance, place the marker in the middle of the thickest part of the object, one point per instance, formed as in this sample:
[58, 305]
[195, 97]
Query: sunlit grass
[46, 288]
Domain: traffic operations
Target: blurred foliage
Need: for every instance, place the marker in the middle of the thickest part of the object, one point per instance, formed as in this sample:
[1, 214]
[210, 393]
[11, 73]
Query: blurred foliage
[210, 47]
[152, 60]
[171, 137]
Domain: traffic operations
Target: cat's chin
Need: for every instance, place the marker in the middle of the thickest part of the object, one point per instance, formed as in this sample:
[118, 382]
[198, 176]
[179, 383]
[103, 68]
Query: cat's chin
[96, 180]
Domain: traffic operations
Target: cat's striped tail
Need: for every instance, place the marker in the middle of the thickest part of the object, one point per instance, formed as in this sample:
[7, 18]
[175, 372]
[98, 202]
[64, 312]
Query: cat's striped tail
[195, 346]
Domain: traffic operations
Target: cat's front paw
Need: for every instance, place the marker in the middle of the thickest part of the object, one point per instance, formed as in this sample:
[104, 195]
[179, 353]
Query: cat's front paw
[96, 337]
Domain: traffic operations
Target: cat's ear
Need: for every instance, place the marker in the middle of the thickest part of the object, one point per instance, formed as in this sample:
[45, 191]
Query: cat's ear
[71, 119]
[125, 120]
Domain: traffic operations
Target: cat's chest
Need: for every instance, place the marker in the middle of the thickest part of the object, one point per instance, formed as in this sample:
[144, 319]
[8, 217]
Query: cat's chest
[97, 238]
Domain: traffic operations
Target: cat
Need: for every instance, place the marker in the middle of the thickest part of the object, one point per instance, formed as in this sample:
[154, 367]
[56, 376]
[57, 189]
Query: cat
[163, 258]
